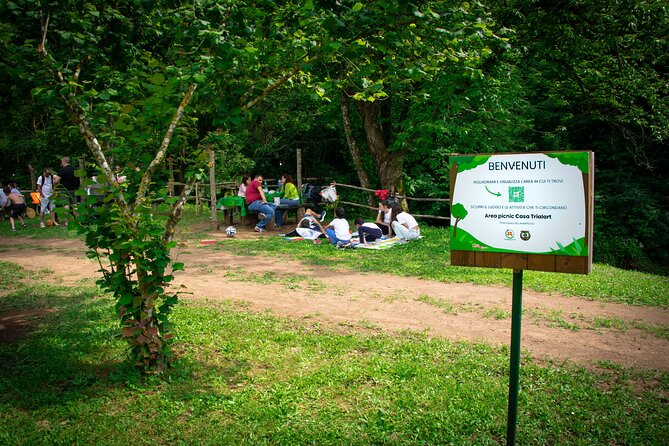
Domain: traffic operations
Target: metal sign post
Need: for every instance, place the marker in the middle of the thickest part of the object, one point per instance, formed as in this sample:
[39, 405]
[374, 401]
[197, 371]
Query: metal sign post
[514, 369]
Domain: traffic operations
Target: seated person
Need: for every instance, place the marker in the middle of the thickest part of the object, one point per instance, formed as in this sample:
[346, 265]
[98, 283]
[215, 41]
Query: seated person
[246, 180]
[384, 218]
[404, 225]
[309, 227]
[289, 197]
[369, 232]
[257, 202]
[338, 229]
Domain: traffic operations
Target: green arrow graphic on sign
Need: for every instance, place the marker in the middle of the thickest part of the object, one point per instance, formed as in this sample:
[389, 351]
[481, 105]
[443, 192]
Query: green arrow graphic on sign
[497, 194]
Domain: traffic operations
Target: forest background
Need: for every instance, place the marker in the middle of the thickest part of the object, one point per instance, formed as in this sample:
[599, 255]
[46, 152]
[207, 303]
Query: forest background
[374, 93]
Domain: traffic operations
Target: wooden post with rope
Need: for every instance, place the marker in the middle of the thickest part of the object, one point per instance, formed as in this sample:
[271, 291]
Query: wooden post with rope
[298, 156]
[212, 187]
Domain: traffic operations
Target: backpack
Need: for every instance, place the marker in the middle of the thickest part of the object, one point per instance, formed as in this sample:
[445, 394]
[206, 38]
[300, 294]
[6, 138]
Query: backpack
[312, 194]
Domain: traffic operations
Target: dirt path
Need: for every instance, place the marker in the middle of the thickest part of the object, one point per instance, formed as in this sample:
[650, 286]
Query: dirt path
[554, 327]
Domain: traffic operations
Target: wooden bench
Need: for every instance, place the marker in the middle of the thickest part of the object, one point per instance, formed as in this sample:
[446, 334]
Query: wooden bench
[299, 211]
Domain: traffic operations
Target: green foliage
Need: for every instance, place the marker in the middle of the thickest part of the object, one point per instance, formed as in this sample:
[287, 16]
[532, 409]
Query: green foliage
[631, 224]
[134, 261]
[593, 76]
[118, 71]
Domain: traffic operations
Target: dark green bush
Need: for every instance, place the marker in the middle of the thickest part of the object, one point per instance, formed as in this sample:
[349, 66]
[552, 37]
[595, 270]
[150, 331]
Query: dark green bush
[631, 226]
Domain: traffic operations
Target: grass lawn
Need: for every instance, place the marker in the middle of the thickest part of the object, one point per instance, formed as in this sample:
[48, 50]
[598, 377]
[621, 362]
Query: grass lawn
[253, 378]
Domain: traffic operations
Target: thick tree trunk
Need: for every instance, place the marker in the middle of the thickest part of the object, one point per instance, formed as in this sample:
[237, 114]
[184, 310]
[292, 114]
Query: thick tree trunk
[389, 165]
[353, 146]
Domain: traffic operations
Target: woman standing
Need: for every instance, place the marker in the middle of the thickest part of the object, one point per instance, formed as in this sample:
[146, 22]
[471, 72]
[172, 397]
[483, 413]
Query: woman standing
[289, 197]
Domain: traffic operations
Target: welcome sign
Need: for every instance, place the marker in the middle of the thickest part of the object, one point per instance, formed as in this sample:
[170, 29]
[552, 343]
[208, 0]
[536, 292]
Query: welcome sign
[519, 206]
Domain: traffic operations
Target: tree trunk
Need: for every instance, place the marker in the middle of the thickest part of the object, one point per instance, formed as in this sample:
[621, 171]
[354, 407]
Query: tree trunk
[376, 119]
[389, 165]
[353, 146]
[33, 177]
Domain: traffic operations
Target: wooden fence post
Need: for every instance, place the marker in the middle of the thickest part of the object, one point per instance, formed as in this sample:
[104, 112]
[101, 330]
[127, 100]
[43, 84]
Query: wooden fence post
[197, 200]
[298, 155]
[212, 187]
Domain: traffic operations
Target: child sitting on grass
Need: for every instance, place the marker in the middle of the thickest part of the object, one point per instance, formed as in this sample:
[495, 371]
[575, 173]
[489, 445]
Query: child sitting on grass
[338, 229]
[369, 232]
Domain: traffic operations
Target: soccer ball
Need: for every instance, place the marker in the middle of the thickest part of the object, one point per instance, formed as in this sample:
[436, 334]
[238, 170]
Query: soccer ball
[230, 231]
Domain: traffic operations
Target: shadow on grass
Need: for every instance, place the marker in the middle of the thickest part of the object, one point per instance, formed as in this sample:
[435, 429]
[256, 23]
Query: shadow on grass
[69, 350]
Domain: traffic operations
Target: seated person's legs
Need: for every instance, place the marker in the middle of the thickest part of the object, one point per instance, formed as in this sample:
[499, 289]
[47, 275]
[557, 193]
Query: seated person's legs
[400, 230]
[269, 210]
[278, 216]
[368, 235]
[312, 213]
[332, 236]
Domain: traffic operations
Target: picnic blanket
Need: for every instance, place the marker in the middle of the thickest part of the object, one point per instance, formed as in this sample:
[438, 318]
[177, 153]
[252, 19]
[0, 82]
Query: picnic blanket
[355, 239]
[379, 244]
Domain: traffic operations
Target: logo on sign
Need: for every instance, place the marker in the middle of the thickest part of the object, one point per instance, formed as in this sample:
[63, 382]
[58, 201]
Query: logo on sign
[525, 235]
[509, 234]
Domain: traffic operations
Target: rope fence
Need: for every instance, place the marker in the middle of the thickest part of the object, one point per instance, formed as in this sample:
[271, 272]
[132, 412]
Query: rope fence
[204, 199]
[401, 197]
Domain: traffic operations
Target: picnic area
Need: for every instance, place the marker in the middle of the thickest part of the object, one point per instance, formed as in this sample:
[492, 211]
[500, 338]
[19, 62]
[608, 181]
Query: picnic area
[334, 223]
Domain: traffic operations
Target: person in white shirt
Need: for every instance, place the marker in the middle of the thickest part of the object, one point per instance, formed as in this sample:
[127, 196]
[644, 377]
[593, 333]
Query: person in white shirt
[384, 218]
[404, 225]
[45, 185]
[246, 180]
[338, 229]
[309, 228]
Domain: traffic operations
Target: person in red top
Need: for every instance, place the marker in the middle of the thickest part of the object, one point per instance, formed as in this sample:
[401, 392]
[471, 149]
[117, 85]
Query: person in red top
[256, 202]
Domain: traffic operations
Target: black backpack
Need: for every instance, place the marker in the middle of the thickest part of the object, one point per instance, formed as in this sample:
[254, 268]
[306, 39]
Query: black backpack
[312, 194]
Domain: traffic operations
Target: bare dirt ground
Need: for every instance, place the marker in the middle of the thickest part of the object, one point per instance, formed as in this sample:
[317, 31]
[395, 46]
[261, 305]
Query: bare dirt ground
[349, 300]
